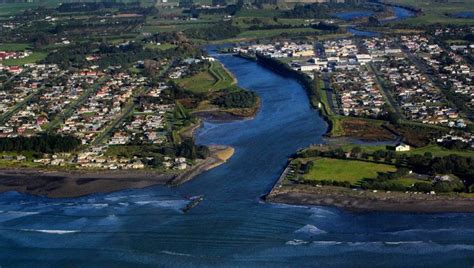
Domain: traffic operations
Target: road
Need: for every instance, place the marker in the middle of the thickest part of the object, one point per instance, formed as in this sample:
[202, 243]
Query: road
[386, 92]
[433, 79]
[331, 97]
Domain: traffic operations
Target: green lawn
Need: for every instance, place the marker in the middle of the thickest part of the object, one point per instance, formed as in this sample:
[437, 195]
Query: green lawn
[7, 9]
[275, 32]
[267, 13]
[345, 170]
[440, 151]
[33, 58]
[436, 11]
[434, 149]
[408, 182]
[200, 83]
[14, 46]
[215, 78]
[164, 46]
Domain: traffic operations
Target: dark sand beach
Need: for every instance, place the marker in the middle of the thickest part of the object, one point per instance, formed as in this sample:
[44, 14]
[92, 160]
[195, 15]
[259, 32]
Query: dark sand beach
[362, 201]
[74, 183]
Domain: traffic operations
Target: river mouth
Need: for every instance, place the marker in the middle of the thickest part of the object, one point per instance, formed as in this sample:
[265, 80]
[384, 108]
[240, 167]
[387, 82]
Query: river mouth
[230, 227]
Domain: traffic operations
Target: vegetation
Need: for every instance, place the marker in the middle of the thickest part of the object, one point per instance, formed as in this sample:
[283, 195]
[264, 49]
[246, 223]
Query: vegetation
[237, 99]
[351, 171]
[33, 58]
[44, 143]
[433, 11]
[355, 167]
[212, 77]
[214, 32]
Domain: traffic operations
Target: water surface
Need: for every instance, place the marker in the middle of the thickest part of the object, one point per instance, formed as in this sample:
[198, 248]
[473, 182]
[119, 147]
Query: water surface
[231, 227]
[352, 15]
[465, 14]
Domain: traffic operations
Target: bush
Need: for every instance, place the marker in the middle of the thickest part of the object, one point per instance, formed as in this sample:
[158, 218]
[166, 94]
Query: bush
[239, 99]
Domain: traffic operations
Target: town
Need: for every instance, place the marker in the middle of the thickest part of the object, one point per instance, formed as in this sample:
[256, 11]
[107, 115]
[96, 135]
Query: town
[103, 109]
[373, 76]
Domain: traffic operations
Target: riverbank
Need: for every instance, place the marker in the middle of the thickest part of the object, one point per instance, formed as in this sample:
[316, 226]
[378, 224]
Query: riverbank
[365, 201]
[219, 155]
[228, 114]
[68, 184]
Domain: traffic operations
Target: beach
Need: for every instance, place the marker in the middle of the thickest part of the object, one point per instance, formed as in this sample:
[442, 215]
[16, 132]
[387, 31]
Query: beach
[364, 201]
[75, 183]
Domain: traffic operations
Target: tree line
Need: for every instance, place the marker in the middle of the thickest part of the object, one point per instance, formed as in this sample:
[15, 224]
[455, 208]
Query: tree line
[44, 143]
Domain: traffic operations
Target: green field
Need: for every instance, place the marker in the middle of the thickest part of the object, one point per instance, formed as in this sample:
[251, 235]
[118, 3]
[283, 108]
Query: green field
[33, 58]
[268, 13]
[14, 46]
[275, 32]
[7, 9]
[437, 11]
[434, 149]
[345, 170]
[164, 46]
[213, 79]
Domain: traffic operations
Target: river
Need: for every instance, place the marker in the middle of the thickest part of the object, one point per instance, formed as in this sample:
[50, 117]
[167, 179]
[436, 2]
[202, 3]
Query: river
[231, 226]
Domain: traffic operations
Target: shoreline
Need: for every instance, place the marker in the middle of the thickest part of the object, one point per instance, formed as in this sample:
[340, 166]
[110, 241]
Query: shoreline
[77, 183]
[349, 199]
[367, 201]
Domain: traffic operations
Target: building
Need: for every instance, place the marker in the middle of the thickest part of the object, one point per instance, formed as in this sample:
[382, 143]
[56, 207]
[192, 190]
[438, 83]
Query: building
[400, 147]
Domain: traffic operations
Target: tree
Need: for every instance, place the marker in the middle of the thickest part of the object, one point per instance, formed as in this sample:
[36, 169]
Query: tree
[186, 3]
[355, 152]
[219, 3]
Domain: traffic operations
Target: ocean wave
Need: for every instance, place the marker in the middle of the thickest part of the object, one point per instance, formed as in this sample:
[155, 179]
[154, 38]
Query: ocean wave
[396, 243]
[174, 204]
[430, 231]
[100, 205]
[326, 243]
[10, 215]
[51, 231]
[175, 253]
[310, 229]
[296, 242]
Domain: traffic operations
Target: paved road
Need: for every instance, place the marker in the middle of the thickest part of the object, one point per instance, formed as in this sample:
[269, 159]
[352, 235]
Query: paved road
[386, 92]
[431, 76]
[331, 97]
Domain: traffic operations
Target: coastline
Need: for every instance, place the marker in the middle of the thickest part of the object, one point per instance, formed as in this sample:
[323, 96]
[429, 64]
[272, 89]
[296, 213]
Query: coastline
[367, 201]
[349, 199]
[76, 183]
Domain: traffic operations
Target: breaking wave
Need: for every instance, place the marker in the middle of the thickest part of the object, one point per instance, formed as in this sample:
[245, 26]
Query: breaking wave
[51, 231]
[310, 229]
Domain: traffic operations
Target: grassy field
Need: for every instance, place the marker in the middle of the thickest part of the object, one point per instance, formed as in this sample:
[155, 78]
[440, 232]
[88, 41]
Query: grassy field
[164, 46]
[275, 32]
[213, 79]
[434, 149]
[199, 83]
[33, 58]
[408, 182]
[7, 9]
[345, 170]
[14, 46]
[437, 11]
[268, 13]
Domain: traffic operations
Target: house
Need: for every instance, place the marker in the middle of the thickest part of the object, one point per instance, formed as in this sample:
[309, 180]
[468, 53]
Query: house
[399, 147]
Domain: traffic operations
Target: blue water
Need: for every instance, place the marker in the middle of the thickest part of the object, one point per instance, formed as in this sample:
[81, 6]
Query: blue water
[363, 33]
[231, 227]
[352, 15]
[465, 14]
[400, 14]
